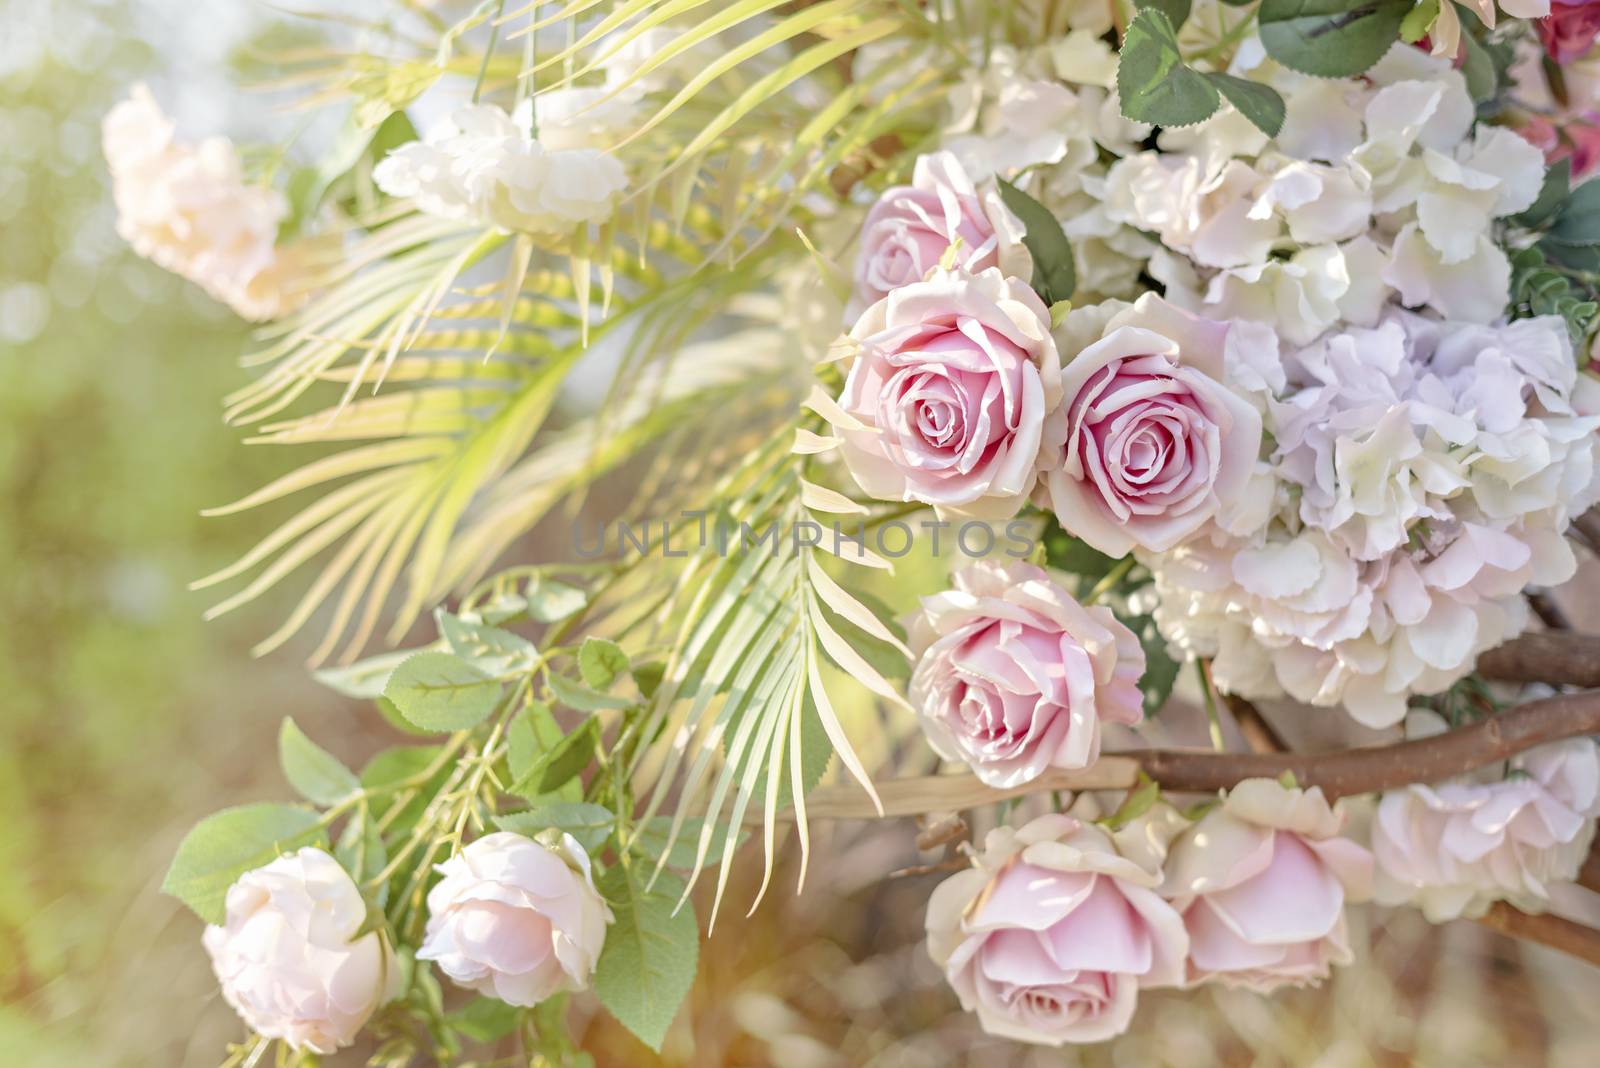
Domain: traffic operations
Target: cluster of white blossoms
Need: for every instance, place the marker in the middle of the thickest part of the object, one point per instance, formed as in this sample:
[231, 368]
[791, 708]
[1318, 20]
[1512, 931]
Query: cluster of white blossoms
[1375, 191]
[485, 165]
[1422, 465]
[189, 209]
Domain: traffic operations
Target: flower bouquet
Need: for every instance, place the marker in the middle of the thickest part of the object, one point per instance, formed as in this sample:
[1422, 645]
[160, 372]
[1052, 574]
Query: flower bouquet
[704, 392]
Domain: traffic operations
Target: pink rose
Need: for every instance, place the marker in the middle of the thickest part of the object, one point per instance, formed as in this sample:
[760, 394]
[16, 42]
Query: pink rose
[1013, 675]
[1148, 445]
[1453, 849]
[946, 398]
[1052, 933]
[910, 227]
[1569, 31]
[1261, 882]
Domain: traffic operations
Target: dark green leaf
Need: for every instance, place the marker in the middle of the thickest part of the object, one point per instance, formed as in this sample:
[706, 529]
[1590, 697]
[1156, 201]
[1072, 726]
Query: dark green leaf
[1160, 669]
[1578, 222]
[400, 764]
[1177, 11]
[225, 845]
[316, 774]
[1330, 38]
[360, 851]
[1152, 81]
[1552, 195]
[442, 692]
[1259, 103]
[1055, 276]
[560, 763]
[652, 950]
[600, 662]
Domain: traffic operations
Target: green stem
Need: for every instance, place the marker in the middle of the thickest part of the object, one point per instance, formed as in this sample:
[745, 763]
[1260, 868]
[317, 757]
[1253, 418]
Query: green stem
[1111, 579]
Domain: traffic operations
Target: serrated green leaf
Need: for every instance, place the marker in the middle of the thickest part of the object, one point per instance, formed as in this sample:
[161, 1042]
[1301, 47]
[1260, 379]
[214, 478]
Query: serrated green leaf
[442, 692]
[1055, 275]
[1330, 38]
[316, 774]
[1578, 222]
[600, 662]
[493, 651]
[578, 696]
[1259, 103]
[1154, 84]
[229, 843]
[590, 824]
[550, 601]
[365, 679]
[1176, 11]
[560, 763]
[651, 952]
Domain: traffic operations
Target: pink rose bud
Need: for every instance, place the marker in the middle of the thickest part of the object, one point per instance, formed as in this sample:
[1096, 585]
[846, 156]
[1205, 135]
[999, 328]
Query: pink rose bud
[515, 919]
[911, 226]
[1261, 881]
[1052, 933]
[947, 393]
[1569, 31]
[288, 958]
[1148, 444]
[1015, 676]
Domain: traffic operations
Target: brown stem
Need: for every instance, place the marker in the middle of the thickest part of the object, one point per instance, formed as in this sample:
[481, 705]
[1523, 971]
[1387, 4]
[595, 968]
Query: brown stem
[1339, 773]
[1587, 526]
[1554, 657]
[1553, 931]
[1259, 735]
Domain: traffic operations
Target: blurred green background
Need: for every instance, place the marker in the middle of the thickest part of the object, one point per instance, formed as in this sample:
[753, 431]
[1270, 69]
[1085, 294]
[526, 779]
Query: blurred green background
[124, 717]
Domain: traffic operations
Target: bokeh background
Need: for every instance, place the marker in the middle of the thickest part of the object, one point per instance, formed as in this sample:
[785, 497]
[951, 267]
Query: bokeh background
[124, 717]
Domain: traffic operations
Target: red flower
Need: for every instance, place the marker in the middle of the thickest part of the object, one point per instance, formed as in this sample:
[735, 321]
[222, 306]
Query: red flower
[1570, 29]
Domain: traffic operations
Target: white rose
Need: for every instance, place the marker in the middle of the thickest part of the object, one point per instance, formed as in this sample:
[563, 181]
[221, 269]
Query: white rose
[515, 919]
[288, 959]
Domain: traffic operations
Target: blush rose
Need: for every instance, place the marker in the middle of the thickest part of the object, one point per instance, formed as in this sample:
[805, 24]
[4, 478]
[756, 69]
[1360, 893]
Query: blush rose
[1014, 676]
[945, 399]
[1051, 935]
[1148, 444]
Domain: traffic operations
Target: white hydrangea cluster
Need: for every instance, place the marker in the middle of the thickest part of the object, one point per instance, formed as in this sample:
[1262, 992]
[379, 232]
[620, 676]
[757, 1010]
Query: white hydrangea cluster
[189, 209]
[1041, 119]
[486, 165]
[1376, 189]
[1422, 475]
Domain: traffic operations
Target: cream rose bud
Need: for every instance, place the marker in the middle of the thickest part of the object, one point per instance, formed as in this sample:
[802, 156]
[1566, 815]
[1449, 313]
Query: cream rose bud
[946, 395]
[288, 957]
[1052, 933]
[1148, 444]
[1261, 881]
[516, 919]
[911, 226]
[1014, 676]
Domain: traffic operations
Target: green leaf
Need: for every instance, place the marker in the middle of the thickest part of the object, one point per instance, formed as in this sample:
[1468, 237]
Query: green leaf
[652, 950]
[1414, 27]
[1579, 220]
[365, 679]
[360, 851]
[1330, 38]
[485, 1019]
[225, 845]
[1152, 80]
[441, 692]
[1259, 103]
[1160, 669]
[560, 763]
[1065, 552]
[550, 601]
[1483, 82]
[1055, 275]
[577, 695]
[1140, 800]
[590, 824]
[493, 651]
[600, 661]
[1176, 11]
[399, 764]
[1552, 196]
[316, 774]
